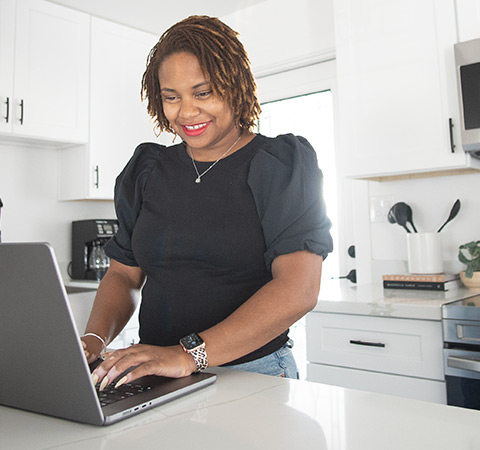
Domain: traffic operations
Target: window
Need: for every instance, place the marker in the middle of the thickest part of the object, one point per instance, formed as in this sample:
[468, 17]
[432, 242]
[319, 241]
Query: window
[310, 116]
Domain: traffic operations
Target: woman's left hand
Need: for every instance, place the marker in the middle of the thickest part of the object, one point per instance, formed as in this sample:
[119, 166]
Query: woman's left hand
[170, 362]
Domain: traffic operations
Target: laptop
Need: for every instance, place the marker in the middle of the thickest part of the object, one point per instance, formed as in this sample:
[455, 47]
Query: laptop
[43, 366]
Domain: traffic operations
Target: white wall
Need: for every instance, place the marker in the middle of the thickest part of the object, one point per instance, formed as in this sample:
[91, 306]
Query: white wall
[431, 200]
[279, 35]
[28, 189]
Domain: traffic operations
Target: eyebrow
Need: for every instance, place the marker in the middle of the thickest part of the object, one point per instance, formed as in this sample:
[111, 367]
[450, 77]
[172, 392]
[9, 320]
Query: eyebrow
[203, 83]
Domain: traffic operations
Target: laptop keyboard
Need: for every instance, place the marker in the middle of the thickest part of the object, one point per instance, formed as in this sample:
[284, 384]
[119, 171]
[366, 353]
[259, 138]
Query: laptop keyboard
[111, 394]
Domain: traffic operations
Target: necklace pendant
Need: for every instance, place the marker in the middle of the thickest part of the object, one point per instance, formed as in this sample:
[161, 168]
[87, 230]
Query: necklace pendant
[200, 175]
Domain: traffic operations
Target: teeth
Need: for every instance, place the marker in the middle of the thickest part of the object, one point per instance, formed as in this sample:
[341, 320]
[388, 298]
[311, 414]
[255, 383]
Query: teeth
[195, 127]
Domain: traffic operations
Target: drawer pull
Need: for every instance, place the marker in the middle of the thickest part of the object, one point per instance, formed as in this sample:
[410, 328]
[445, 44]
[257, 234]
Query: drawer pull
[96, 183]
[7, 104]
[367, 344]
[21, 112]
[464, 363]
[450, 129]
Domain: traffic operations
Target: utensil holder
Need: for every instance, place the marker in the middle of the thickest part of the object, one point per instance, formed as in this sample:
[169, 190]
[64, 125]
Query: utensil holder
[424, 253]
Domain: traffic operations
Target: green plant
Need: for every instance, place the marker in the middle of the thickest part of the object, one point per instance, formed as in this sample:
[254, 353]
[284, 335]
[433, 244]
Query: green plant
[471, 249]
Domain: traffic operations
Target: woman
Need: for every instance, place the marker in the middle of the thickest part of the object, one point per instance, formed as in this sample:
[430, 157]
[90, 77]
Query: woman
[224, 233]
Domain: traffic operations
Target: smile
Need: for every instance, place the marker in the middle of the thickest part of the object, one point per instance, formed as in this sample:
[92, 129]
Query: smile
[195, 130]
[195, 127]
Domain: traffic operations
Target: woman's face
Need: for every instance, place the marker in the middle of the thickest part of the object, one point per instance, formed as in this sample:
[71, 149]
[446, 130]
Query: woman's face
[203, 120]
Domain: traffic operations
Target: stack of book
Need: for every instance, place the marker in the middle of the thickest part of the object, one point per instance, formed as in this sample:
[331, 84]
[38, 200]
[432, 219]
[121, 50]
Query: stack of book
[434, 282]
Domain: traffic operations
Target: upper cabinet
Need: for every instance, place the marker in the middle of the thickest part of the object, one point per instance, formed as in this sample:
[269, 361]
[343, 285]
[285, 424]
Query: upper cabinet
[7, 55]
[398, 105]
[118, 119]
[44, 71]
[468, 19]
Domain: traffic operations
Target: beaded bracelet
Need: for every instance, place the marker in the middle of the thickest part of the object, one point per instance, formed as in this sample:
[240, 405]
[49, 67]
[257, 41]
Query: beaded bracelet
[99, 338]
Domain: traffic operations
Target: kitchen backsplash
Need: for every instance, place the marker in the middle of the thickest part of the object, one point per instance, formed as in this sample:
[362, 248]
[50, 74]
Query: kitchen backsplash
[431, 200]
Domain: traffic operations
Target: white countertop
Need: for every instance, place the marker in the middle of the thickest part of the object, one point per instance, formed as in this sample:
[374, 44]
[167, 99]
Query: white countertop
[81, 285]
[374, 300]
[256, 412]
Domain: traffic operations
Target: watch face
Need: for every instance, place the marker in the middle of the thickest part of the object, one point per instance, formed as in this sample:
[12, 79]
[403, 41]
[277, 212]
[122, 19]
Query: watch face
[191, 341]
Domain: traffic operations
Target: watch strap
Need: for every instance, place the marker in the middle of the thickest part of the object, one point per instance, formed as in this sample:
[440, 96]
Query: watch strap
[200, 357]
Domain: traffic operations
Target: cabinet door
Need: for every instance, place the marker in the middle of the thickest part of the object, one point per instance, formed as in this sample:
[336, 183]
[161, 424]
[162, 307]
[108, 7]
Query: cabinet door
[397, 87]
[51, 72]
[7, 41]
[119, 120]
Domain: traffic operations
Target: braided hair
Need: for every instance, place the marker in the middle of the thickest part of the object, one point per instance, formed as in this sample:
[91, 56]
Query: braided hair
[223, 60]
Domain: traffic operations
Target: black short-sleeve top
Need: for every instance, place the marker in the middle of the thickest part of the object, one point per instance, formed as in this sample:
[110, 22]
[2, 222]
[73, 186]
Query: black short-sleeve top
[207, 247]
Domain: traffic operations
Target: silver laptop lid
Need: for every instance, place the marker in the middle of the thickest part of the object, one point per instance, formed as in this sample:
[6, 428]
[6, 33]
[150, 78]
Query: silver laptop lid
[43, 368]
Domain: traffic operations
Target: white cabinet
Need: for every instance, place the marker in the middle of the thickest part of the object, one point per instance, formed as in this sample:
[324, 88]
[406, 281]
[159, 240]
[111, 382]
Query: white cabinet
[397, 88]
[402, 357]
[7, 39]
[118, 119]
[468, 18]
[44, 78]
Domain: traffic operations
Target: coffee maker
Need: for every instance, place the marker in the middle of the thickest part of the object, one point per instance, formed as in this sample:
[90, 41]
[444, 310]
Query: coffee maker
[89, 261]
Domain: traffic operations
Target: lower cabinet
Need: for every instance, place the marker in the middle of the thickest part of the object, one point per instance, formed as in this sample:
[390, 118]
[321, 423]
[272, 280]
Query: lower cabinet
[401, 357]
[81, 302]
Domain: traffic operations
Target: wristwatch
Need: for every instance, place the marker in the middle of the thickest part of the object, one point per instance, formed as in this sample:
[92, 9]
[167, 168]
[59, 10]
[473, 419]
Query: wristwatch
[194, 345]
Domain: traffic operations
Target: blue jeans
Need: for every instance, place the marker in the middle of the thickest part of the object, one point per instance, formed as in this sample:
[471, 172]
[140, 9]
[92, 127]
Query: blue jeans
[278, 364]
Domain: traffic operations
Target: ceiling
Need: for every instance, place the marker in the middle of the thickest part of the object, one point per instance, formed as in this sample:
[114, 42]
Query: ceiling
[154, 16]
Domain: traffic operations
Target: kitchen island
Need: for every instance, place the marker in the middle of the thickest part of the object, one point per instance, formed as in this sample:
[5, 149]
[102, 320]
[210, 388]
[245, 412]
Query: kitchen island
[249, 411]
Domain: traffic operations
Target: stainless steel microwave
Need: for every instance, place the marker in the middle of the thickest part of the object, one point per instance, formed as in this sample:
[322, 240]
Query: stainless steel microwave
[467, 59]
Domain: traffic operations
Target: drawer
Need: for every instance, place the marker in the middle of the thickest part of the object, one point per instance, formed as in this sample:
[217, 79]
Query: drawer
[398, 385]
[381, 344]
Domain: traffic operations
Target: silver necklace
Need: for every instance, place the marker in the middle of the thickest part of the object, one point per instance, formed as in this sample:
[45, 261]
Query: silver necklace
[200, 175]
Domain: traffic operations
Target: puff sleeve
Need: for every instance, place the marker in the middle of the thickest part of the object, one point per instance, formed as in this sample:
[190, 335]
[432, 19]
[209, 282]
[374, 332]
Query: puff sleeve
[286, 184]
[129, 188]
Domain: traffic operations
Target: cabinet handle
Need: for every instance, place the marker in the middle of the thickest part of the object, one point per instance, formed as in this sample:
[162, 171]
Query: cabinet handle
[464, 363]
[367, 344]
[97, 177]
[21, 112]
[7, 103]
[450, 128]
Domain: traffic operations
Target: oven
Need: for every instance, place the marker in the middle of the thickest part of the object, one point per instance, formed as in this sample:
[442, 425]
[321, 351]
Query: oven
[461, 332]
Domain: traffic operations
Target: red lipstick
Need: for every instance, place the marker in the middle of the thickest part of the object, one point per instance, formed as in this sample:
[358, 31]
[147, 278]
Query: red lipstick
[196, 129]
